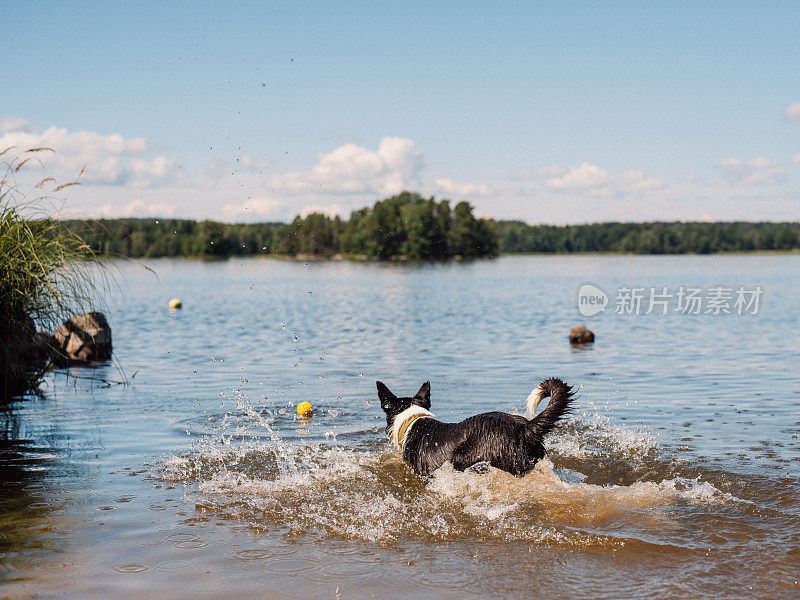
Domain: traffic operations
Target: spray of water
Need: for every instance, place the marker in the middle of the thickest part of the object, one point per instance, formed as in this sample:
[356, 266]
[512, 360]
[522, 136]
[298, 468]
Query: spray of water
[243, 468]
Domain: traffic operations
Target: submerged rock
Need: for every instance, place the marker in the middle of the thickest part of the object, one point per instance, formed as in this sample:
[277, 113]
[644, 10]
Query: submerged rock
[84, 338]
[580, 335]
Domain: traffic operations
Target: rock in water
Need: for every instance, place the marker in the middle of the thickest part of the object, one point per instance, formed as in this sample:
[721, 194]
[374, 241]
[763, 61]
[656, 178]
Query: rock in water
[580, 335]
[84, 338]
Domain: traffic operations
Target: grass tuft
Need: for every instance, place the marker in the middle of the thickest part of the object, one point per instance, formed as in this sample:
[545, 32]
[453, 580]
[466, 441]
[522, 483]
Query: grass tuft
[46, 276]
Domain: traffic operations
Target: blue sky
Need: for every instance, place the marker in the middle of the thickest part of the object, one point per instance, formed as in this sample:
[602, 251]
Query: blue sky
[548, 112]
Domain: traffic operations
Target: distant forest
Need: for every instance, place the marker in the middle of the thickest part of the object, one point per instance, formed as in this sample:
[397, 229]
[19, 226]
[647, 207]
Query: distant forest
[403, 226]
[417, 228]
[648, 238]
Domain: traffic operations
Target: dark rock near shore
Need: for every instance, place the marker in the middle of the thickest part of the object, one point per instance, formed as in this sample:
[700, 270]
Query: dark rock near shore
[27, 353]
[82, 339]
[580, 335]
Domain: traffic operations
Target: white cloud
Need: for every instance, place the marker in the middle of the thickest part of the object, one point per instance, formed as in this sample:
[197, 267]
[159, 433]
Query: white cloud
[137, 208]
[792, 113]
[15, 124]
[253, 210]
[247, 163]
[585, 177]
[108, 159]
[455, 188]
[635, 181]
[352, 176]
[596, 181]
[352, 169]
[758, 171]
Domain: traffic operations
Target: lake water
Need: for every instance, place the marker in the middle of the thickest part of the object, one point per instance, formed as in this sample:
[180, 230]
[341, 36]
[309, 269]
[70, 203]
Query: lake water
[677, 476]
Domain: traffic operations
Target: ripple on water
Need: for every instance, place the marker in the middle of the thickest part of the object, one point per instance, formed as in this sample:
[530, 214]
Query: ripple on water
[186, 540]
[350, 569]
[177, 565]
[130, 568]
[264, 553]
[278, 564]
[447, 575]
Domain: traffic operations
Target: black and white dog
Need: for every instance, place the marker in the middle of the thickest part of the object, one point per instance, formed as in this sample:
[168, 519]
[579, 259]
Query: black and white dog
[508, 442]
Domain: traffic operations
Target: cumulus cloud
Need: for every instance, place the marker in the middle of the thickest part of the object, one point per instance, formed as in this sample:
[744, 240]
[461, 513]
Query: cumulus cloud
[792, 113]
[350, 168]
[108, 159]
[15, 124]
[758, 171]
[634, 181]
[247, 163]
[584, 177]
[137, 208]
[596, 181]
[352, 175]
[459, 189]
[253, 209]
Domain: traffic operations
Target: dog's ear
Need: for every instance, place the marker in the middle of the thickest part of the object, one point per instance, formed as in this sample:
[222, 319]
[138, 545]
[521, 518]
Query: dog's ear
[423, 397]
[387, 398]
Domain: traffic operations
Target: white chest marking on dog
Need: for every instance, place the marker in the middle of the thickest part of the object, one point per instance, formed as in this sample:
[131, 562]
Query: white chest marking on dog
[403, 423]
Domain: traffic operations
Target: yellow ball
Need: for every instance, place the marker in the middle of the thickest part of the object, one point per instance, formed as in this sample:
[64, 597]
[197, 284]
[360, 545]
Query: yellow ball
[304, 409]
[175, 303]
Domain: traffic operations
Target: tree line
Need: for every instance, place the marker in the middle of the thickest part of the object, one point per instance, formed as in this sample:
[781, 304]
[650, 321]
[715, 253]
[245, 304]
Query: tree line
[403, 226]
[648, 238]
[417, 228]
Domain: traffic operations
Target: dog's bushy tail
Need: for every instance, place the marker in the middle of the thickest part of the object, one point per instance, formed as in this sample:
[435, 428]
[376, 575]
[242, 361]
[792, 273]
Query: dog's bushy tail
[561, 396]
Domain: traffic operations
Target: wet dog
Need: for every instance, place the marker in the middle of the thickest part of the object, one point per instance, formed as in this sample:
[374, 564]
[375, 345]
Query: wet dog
[508, 442]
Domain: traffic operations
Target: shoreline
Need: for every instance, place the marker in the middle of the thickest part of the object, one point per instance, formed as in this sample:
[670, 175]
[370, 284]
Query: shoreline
[403, 259]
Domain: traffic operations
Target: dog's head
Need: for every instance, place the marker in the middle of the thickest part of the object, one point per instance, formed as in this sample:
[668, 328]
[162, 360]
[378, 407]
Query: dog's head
[393, 406]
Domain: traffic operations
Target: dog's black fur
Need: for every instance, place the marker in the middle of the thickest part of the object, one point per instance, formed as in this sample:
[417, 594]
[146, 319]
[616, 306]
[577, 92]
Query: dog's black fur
[508, 442]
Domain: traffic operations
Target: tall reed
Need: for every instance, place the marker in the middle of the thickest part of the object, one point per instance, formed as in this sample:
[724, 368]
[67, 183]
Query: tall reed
[45, 275]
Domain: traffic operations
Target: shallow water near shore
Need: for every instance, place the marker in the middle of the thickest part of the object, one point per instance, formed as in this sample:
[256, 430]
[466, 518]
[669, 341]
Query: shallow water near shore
[678, 475]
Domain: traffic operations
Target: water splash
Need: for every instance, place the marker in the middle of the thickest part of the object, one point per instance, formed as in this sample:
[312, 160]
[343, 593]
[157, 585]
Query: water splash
[371, 494]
